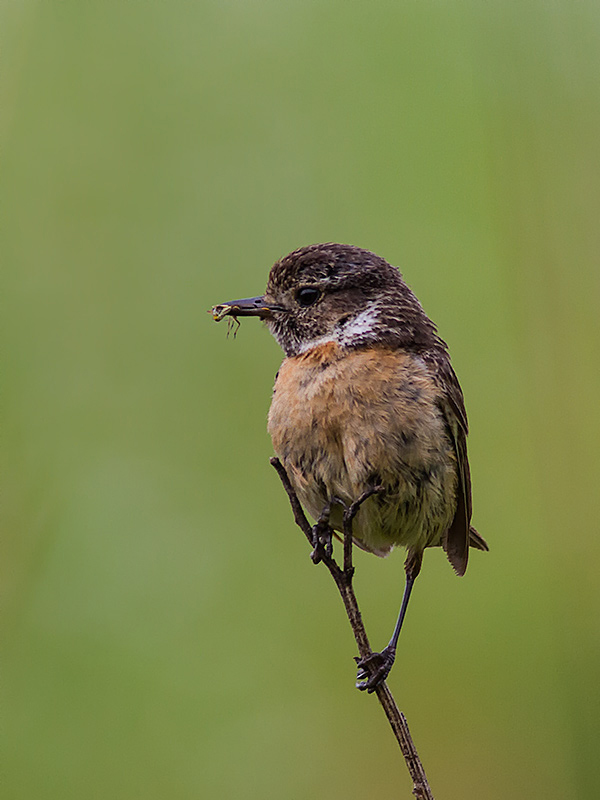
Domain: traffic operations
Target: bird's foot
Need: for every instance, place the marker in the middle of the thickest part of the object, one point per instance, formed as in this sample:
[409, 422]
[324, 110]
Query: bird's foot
[322, 539]
[374, 669]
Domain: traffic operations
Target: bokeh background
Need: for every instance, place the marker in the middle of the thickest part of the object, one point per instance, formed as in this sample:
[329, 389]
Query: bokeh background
[164, 631]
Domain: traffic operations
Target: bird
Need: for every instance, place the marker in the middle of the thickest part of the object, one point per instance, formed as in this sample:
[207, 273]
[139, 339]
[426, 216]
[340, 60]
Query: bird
[366, 400]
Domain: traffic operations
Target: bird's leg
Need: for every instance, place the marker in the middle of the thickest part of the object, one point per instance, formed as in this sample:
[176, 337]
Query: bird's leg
[375, 668]
[322, 535]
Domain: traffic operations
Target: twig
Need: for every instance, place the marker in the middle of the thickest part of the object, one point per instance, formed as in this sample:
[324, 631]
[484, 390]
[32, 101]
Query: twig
[343, 580]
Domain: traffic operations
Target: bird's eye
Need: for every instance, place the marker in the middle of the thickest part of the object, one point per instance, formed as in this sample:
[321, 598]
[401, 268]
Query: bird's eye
[308, 295]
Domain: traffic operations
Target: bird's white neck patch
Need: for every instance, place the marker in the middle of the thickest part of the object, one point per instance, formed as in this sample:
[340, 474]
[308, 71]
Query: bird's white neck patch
[357, 329]
[361, 326]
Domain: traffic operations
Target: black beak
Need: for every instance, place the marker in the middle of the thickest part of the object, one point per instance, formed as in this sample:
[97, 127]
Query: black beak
[250, 307]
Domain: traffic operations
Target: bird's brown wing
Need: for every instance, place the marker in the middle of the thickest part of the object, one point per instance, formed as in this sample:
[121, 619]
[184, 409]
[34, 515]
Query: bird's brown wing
[456, 541]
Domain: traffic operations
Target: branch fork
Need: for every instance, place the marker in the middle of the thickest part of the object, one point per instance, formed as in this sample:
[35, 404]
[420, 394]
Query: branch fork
[319, 538]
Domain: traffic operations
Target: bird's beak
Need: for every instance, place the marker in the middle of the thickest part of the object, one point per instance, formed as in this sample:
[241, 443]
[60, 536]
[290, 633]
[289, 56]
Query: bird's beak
[249, 307]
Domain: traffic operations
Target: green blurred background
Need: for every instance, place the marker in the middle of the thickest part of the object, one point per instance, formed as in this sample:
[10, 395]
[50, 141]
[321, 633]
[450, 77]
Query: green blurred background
[165, 634]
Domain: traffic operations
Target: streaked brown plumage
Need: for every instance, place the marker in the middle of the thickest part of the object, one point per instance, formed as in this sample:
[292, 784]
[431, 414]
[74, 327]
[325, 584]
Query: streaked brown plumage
[367, 397]
[339, 425]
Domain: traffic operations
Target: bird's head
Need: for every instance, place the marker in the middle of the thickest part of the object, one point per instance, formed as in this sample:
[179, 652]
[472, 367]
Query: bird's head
[336, 293]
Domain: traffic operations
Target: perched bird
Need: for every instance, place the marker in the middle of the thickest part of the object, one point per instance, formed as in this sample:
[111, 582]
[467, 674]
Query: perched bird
[366, 397]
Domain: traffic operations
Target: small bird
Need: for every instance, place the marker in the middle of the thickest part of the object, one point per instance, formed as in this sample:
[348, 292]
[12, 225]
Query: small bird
[366, 399]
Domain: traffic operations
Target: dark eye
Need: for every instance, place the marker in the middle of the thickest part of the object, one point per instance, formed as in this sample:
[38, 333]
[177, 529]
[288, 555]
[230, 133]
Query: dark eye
[308, 295]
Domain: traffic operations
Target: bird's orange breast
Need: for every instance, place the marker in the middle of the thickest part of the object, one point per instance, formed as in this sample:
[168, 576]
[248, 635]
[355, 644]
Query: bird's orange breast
[341, 420]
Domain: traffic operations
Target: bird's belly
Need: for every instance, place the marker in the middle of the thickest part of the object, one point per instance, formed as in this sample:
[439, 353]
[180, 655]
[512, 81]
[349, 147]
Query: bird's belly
[345, 423]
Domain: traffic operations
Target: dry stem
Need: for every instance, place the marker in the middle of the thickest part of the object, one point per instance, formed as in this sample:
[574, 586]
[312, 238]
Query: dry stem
[343, 580]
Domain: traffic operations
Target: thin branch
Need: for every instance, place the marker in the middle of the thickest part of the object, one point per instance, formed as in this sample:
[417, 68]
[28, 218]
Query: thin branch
[349, 515]
[343, 580]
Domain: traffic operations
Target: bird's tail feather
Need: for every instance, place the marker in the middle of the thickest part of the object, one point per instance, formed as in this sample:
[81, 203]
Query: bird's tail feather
[476, 540]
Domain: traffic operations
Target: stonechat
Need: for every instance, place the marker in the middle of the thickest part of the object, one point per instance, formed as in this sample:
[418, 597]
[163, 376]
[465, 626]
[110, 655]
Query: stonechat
[367, 397]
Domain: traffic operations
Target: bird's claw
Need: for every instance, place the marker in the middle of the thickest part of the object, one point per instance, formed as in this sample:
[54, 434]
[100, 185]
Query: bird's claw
[374, 669]
[322, 539]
